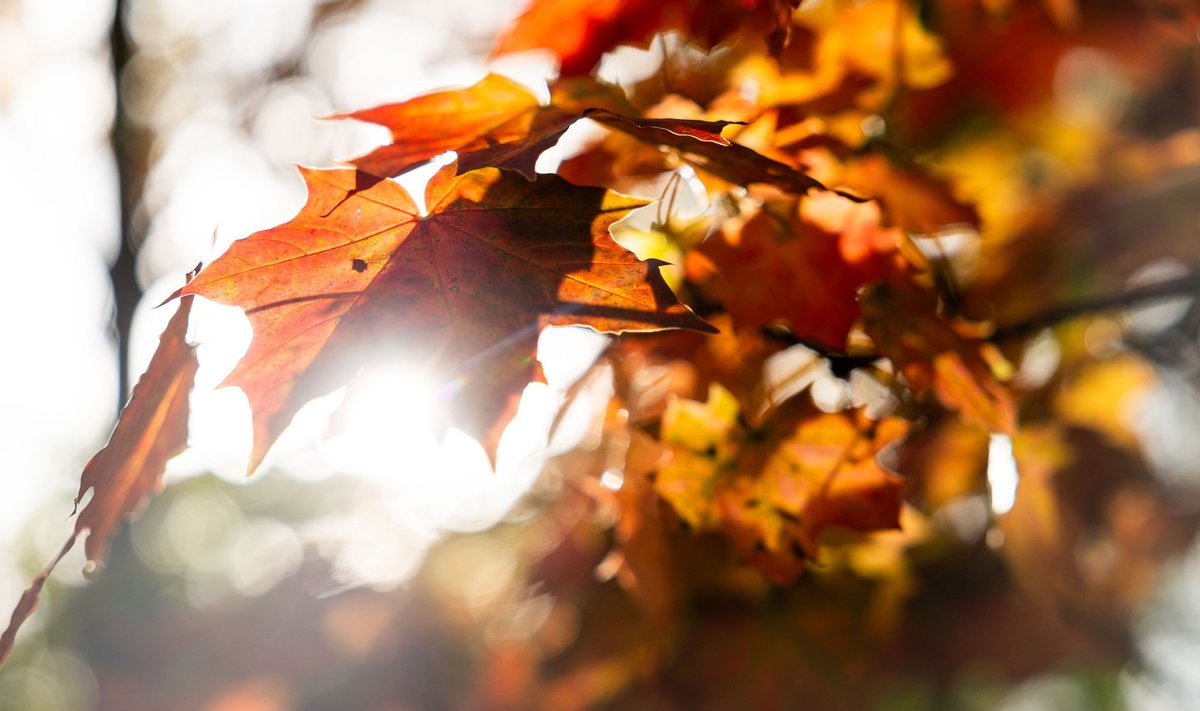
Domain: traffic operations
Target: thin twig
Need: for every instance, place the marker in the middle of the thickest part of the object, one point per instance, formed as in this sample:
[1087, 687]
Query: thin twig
[1186, 285]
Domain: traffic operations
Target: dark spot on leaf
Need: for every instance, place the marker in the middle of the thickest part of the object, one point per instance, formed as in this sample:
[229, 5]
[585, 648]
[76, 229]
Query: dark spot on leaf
[358, 265]
[786, 515]
[798, 550]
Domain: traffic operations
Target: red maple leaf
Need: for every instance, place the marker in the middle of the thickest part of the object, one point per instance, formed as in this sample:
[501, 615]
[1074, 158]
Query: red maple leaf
[579, 32]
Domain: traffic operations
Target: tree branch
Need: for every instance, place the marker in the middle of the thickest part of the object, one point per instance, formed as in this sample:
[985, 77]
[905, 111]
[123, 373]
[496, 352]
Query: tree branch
[122, 273]
[1187, 285]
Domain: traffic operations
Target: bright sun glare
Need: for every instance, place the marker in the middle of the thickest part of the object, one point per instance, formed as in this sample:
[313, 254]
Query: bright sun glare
[381, 430]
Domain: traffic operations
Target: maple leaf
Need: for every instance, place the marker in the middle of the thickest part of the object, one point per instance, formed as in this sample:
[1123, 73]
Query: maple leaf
[949, 356]
[496, 111]
[802, 263]
[815, 470]
[579, 32]
[911, 198]
[738, 164]
[773, 489]
[152, 429]
[498, 123]
[359, 275]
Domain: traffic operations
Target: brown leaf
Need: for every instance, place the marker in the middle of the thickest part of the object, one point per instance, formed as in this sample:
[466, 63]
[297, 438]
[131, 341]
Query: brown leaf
[28, 603]
[152, 429]
[498, 123]
[491, 115]
[741, 165]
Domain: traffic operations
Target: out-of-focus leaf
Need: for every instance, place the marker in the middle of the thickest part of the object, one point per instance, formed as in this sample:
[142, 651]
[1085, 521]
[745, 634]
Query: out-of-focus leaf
[883, 39]
[801, 263]
[911, 198]
[704, 437]
[945, 462]
[1088, 534]
[1104, 396]
[775, 488]
[947, 355]
[579, 32]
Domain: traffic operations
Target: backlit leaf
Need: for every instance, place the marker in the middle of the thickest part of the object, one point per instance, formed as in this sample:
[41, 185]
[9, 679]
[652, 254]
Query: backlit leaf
[950, 356]
[152, 429]
[359, 275]
[579, 32]
[498, 123]
[775, 488]
[801, 263]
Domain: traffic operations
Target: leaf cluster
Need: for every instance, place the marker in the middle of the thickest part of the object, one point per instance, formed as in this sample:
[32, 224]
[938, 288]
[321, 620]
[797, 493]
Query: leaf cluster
[812, 377]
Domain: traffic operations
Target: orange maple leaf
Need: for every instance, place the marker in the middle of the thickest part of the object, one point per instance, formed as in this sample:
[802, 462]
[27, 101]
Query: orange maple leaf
[579, 32]
[494, 115]
[949, 356]
[802, 263]
[497, 123]
[359, 275]
[775, 488]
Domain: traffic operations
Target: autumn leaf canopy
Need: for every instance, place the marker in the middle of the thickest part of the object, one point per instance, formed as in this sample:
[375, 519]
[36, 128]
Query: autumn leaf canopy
[859, 261]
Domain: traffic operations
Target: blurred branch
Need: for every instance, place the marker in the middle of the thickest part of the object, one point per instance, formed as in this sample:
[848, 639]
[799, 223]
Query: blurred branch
[122, 272]
[1187, 285]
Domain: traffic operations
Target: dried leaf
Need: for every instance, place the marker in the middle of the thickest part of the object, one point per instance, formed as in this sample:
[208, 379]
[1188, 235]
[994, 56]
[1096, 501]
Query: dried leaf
[494, 112]
[152, 429]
